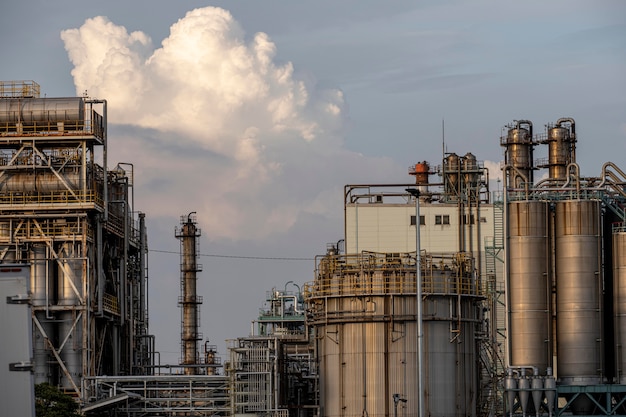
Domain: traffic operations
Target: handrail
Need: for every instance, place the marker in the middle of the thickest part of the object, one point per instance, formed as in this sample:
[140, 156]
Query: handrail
[48, 198]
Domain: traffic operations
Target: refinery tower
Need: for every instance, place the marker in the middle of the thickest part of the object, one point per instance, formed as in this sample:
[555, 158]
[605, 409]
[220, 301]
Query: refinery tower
[73, 220]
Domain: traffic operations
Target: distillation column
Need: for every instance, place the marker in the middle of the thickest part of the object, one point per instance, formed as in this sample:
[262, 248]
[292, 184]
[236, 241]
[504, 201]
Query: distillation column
[189, 301]
[519, 153]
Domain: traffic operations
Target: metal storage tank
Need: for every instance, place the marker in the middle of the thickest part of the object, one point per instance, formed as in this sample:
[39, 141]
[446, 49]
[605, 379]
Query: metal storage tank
[43, 294]
[450, 349]
[452, 168]
[40, 181]
[365, 361]
[559, 151]
[70, 275]
[70, 291]
[528, 286]
[364, 320]
[70, 331]
[41, 281]
[519, 151]
[64, 113]
[619, 297]
[470, 170]
[579, 291]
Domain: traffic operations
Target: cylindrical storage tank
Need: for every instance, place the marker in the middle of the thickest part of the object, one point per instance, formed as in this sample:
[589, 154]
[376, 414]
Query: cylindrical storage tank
[579, 292]
[363, 361]
[559, 152]
[65, 113]
[470, 170]
[451, 178]
[44, 363]
[528, 284]
[619, 300]
[450, 355]
[519, 154]
[42, 181]
[367, 344]
[70, 274]
[71, 330]
[40, 281]
[43, 294]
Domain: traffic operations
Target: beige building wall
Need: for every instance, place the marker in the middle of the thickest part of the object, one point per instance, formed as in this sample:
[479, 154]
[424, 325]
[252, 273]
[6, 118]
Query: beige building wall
[380, 227]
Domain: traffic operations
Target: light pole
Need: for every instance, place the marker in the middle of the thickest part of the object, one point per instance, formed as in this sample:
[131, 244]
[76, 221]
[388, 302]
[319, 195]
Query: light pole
[418, 304]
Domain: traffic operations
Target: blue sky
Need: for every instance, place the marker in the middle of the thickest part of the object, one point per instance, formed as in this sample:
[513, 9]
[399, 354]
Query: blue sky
[259, 133]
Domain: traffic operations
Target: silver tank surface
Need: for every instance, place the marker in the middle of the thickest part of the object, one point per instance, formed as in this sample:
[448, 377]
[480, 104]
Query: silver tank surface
[619, 297]
[364, 320]
[450, 357]
[519, 152]
[43, 181]
[578, 288]
[70, 274]
[42, 110]
[559, 154]
[470, 168]
[452, 167]
[529, 295]
[72, 350]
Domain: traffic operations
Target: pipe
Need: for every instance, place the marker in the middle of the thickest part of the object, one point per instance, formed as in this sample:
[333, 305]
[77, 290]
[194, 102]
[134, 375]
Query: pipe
[517, 172]
[572, 130]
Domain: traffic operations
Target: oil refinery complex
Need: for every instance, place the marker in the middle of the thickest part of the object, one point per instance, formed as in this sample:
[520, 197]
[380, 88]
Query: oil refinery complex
[443, 298]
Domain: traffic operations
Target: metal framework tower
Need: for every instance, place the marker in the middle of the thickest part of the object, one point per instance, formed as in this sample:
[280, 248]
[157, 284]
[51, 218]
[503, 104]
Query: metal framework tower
[274, 373]
[63, 212]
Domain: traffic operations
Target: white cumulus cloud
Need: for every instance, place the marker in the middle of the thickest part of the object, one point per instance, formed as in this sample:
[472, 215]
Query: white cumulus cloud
[214, 124]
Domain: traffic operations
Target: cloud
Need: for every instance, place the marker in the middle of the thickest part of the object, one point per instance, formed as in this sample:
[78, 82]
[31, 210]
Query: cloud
[495, 169]
[215, 125]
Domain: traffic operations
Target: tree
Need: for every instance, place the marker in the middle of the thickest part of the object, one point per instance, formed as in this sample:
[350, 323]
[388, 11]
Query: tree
[51, 402]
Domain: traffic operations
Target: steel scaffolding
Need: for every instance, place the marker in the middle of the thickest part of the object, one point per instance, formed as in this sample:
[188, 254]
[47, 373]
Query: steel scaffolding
[73, 220]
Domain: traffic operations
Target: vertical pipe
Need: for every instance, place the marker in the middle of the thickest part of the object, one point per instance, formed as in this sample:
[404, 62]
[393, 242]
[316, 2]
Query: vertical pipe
[142, 267]
[418, 296]
[105, 191]
[99, 266]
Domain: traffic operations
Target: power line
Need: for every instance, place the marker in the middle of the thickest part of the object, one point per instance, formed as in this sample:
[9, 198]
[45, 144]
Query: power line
[261, 258]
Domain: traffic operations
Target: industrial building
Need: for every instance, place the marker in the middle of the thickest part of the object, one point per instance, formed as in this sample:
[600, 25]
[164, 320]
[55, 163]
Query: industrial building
[520, 306]
[385, 349]
[565, 273]
[443, 297]
[72, 219]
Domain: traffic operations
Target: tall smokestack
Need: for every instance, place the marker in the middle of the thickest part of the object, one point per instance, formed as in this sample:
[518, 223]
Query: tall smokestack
[189, 300]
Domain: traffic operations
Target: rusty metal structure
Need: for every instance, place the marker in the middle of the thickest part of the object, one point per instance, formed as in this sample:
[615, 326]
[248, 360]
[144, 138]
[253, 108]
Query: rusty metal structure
[65, 213]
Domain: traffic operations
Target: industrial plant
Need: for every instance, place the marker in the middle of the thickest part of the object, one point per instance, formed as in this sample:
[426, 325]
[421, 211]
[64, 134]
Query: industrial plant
[447, 295]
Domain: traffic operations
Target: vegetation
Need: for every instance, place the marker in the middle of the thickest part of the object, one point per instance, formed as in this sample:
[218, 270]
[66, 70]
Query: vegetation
[51, 402]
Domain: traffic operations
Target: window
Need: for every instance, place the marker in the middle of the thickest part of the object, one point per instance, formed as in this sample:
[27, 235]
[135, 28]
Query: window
[483, 220]
[470, 217]
[422, 220]
[442, 219]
